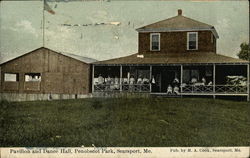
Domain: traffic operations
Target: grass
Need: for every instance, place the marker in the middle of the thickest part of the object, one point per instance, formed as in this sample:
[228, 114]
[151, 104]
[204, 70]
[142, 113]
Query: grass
[125, 122]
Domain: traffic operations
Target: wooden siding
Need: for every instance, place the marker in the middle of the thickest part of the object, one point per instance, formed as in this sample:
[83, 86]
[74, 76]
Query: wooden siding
[59, 74]
[176, 42]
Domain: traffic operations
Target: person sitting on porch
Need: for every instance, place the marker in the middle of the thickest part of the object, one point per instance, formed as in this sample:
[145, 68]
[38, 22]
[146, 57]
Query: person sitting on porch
[112, 85]
[125, 81]
[176, 90]
[176, 82]
[145, 80]
[100, 79]
[132, 80]
[139, 80]
[108, 80]
[116, 83]
[170, 89]
[194, 80]
[203, 80]
[108, 83]
[131, 83]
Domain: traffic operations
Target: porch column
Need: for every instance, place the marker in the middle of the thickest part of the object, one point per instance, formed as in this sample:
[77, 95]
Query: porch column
[214, 69]
[150, 78]
[181, 77]
[93, 75]
[248, 83]
[120, 78]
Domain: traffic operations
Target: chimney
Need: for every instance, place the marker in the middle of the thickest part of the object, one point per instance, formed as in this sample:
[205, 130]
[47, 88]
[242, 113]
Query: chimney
[179, 12]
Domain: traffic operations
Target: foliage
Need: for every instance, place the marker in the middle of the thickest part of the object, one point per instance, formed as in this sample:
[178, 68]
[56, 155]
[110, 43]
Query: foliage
[244, 52]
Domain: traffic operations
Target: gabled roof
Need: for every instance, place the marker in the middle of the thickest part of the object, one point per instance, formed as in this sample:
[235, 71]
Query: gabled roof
[173, 58]
[73, 56]
[178, 23]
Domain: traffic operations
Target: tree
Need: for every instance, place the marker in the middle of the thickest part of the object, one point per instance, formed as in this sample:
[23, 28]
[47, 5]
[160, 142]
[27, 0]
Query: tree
[244, 52]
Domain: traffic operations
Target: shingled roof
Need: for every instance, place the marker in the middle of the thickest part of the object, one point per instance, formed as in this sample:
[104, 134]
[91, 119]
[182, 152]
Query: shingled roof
[178, 23]
[173, 58]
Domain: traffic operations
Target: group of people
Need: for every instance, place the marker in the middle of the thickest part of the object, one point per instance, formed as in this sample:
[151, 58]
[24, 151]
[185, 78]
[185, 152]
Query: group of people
[203, 82]
[114, 83]
[29, 78]
[132, 80]
[174, 88]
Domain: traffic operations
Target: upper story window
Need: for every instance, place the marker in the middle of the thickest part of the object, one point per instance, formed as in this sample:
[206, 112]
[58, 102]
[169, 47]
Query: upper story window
[192, 41]
[11, 77]
[155, 41]
[30, 77]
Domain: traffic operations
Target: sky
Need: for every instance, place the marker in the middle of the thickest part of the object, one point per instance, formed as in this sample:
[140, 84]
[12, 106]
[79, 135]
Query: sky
[106, 29]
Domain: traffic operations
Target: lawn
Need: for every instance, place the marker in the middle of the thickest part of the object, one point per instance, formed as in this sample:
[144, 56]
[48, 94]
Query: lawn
[121, 122]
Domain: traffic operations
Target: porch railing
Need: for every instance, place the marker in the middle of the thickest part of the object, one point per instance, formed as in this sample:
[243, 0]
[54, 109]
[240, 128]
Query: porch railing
[122, 87]
[107, 87]
[230, 89]
[136, 87]
[227, 89]
[197, 89]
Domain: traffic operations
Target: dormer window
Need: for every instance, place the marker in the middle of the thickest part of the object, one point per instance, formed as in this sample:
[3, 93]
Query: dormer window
[155, 41]
[192, 41]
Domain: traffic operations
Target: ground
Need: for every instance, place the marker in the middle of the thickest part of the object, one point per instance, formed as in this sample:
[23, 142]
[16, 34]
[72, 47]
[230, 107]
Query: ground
[122, 122]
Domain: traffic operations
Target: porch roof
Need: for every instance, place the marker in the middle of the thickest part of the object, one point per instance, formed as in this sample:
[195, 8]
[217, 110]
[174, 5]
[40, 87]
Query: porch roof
[174, 58]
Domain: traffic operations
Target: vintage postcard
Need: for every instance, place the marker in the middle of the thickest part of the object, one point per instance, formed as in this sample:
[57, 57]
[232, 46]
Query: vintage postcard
[132, 78]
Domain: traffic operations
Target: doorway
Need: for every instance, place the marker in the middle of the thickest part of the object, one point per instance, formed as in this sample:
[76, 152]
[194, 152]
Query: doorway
[164, 76]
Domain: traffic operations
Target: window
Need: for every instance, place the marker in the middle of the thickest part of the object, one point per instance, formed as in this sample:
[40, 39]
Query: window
[188, 75]
[192, 41]
[155, 41]
[12, 77]
[30, 77]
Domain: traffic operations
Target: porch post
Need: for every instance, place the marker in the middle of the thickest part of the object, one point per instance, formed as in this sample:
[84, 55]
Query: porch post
[150, 78]
[248, 83]
[120, 78]
[93, 75]
[214, 69]
[181, 77]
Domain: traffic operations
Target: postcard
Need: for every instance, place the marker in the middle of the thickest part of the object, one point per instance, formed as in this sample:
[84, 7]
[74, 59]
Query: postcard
[111, 78]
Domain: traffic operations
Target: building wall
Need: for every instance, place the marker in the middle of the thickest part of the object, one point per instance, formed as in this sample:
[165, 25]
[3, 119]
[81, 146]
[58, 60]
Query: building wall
[176, 42]
[59, 74]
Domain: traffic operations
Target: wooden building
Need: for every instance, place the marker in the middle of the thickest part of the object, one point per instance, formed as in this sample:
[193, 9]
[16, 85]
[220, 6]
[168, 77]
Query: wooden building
[44, 73]
[176, 56]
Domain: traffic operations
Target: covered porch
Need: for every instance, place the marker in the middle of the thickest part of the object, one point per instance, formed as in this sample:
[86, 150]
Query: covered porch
[172, 79]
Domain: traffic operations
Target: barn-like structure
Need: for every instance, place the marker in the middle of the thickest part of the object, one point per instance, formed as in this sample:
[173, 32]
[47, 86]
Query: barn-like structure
[46, 74]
